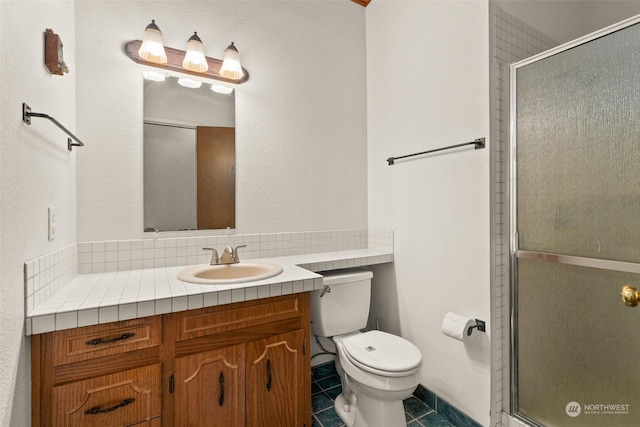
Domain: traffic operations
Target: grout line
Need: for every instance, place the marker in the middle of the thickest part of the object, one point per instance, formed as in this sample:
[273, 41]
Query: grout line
[412, 418]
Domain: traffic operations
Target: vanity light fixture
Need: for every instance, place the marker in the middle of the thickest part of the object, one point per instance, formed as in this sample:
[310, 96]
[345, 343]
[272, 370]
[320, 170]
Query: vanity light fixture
[194, 59]
[231, 67]
[152, 48]
[193, 84]
[225, 90]
[153, 76]
[152, 53]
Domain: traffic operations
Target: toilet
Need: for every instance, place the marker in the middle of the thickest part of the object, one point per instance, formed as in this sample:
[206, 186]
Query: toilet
[378, 370]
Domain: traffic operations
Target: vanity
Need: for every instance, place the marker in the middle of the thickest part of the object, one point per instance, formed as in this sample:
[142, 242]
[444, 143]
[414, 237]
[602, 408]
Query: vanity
[187, 354]
[239, 364]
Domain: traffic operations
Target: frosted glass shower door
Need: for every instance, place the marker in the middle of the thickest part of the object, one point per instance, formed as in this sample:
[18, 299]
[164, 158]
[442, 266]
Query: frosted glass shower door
[576, 219]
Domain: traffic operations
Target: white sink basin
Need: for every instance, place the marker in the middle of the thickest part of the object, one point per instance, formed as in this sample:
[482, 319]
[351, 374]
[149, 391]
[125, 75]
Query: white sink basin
[222, 274]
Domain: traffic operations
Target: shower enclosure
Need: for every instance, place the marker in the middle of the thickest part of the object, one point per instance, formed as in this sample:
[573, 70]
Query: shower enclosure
[575, 232]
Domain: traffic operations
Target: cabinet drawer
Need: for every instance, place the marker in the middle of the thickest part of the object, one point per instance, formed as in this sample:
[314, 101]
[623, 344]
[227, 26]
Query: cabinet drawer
[214, 320]
[122, 399]
[75, 345]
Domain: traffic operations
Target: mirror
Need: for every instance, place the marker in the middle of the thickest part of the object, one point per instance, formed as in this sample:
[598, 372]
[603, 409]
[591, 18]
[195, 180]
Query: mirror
[189, 157]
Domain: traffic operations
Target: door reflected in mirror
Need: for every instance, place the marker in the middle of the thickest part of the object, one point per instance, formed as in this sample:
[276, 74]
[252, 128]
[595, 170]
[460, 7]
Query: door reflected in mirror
[189, 157]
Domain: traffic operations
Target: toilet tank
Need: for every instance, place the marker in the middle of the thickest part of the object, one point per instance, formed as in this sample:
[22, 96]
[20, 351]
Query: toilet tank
[345, 308]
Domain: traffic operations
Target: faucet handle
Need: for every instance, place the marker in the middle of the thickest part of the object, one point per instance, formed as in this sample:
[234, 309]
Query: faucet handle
[215, 259]
[236, 258]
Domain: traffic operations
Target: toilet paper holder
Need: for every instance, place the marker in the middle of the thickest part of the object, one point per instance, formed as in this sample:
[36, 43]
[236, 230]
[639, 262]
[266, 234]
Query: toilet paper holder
[480, 324]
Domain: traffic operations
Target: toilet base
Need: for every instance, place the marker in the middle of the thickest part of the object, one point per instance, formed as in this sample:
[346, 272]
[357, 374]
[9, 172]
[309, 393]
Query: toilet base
[370, 412]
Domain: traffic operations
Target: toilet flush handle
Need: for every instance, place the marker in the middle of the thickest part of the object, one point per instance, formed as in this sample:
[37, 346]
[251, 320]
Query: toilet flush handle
[325, 291]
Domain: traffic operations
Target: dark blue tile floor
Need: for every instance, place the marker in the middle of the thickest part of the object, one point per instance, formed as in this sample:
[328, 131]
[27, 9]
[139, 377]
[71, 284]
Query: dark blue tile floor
[325, 386]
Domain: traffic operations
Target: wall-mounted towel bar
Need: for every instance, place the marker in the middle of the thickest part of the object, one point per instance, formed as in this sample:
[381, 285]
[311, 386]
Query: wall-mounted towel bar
[479, 143]
[26, 117]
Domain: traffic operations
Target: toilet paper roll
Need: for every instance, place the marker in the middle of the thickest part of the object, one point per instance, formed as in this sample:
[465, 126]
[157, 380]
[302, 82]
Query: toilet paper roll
[456, 326]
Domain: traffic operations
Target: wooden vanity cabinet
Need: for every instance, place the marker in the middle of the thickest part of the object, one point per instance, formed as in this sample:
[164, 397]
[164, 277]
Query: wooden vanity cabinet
[233, 365]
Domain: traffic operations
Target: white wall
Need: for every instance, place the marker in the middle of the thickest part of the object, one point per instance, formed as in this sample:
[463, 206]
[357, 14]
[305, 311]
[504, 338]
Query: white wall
[566, 20]
[36, 171]
[600, 14]
[301, 117]
[561, 20]
[428, 86]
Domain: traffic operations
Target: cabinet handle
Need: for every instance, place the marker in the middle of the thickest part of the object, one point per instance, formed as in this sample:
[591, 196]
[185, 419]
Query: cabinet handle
[269, 374]
[96, 409]
[221, 379]
[101, 341]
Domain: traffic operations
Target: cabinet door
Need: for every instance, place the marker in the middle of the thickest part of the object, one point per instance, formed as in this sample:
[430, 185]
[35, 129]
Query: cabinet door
[210, 388]
[275, 381]
[120, 399]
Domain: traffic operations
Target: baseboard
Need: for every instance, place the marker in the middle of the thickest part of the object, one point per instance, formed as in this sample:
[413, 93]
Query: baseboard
[444, 408]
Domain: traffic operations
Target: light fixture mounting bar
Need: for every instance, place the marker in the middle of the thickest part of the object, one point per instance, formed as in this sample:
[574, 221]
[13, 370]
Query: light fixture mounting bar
[174, 63]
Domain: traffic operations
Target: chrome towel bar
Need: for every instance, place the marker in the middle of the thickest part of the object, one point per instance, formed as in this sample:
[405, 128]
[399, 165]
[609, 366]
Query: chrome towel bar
[26, 117]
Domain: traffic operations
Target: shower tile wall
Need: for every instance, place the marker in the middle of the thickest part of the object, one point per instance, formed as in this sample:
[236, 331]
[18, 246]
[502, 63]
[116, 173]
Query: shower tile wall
[512, 41]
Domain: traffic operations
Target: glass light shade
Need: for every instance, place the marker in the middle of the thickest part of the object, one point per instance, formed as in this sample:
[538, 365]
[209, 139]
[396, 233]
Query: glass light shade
[194, 60]
[231, 67]
[153, 76]
[193, 84]
[221, 89]
[152, 48]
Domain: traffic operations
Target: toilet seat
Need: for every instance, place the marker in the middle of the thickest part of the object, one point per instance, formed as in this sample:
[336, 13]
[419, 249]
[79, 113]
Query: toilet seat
[382, 354]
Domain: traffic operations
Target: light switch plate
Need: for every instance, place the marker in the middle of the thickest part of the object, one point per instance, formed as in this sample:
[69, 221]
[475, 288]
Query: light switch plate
[52, 223]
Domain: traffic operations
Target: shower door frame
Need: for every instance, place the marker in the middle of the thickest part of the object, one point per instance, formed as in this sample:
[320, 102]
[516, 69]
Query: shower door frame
[514, 253]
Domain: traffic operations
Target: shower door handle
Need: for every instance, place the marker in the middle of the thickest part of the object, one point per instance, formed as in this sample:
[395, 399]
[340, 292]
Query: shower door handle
[630, 295]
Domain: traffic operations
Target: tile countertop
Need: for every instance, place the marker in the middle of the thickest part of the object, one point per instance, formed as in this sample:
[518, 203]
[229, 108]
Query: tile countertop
[93, 299]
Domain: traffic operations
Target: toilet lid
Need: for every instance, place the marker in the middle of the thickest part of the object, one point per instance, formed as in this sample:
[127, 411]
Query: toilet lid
[383, 352]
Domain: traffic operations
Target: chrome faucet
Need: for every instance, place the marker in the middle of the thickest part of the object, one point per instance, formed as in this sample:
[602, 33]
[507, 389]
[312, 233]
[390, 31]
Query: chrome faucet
[215, 259]
[229, 255]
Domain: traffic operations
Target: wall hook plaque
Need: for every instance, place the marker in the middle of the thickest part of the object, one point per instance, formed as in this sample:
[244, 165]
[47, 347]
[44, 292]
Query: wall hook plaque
[53, 55]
